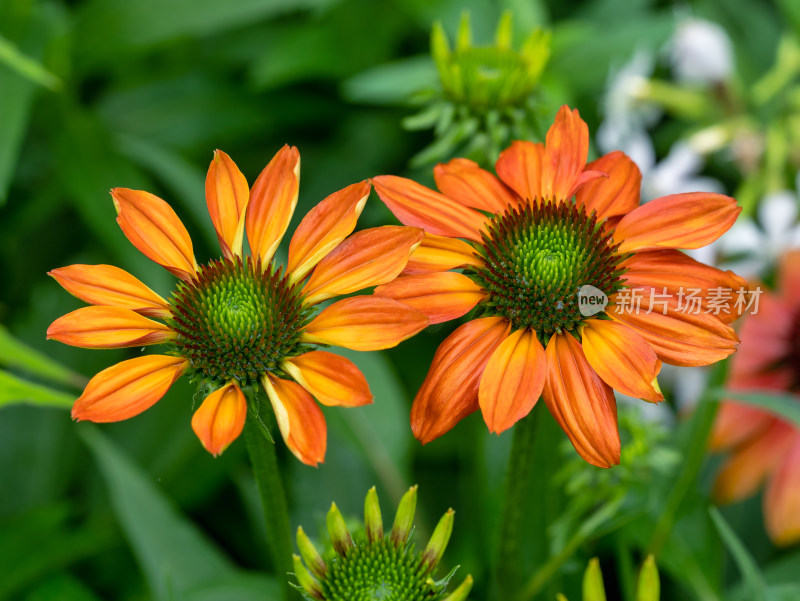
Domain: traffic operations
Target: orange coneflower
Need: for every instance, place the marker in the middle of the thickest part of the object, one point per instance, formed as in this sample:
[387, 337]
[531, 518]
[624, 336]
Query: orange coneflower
[528, 249]
[764, 446]
[240, 321]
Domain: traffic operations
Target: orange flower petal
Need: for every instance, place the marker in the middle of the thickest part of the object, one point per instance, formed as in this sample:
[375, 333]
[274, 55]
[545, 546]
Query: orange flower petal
[789, 277]
[463, 180]
[107, 327]
[220, 419]
[272, 202]
[736, 423]
[300, 419]
[622, 358]
[110, 286]
[153, 227]
[128, 388]
[439, 296]
[367, 258]
[227, 195]
[745, 471]
[332, 379]
[581, 402]
[717, 290]
[324, 227]
[414, 204]
[365, 323]
[679, 337]
[520, 167]
[450, 390]
[512, 381]
[765, 341]
[782, 499]
[617, 194]
[690, 220]
[437, 253]
[565, 150]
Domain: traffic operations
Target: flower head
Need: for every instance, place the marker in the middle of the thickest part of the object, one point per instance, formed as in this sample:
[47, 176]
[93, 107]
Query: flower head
[578, 289]
[765, 447]
[371, 564]
[239, 322]
[487, 92]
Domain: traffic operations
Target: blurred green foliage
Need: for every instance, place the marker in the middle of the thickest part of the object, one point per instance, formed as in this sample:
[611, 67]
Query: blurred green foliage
[102, 93]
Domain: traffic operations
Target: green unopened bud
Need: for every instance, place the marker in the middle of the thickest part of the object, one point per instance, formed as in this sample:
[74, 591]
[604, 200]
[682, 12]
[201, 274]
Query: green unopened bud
[504, 33]
[464, 39]
[438, 543]
[372, 516]
[560, 597]
[593, 589]
[310, 554]
[404, 520]
[649, 586]
[337, 530]
[305, 579]
[460, 594]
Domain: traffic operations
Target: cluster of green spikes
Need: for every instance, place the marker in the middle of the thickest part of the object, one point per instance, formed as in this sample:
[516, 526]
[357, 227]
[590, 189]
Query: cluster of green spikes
[374, 566]
[487, 93]
[538, 256]
[237, 321]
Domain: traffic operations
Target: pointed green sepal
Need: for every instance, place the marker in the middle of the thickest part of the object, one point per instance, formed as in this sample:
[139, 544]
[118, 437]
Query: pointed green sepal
[440, 47]
[372, 516]
[460, 594]
[438, 543]
[649, 586]
[464, 39]
[310, 554]
[337, 530]
[404, 520]
[504, 34]
[305, 579]
[593, 589]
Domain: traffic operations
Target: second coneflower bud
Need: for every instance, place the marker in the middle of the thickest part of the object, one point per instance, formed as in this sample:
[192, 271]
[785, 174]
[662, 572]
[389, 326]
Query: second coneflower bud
[372, 564]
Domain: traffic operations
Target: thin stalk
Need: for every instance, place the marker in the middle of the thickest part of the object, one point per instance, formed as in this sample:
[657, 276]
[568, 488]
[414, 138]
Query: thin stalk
[273, 499]
[519, 476]
[702, 422]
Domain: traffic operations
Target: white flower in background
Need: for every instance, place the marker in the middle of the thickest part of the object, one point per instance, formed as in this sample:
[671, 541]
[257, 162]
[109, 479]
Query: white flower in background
[701, 52]
[677, 173]
[751, 247]
[626, 115]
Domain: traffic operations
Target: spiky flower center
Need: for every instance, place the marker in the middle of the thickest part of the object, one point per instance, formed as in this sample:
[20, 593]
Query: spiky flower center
[379, 571]
[237, 321]
[538, 257]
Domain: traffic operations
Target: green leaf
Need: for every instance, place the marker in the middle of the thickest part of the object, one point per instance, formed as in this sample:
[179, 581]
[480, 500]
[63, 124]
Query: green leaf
[17, 355]
[108, 27]
[751, 574]
[63, 587]
[25, 66]
[393, 83]
[785, 406]
[16, 390]
[177, 559]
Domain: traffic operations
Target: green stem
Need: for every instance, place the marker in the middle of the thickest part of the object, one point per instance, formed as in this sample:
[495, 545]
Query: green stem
[519, 476]
[702, 422]
[273, 499]
[588, 529]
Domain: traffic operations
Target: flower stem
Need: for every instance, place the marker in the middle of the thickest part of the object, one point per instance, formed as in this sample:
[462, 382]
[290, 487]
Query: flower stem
[519, 476]
[699, 432]
[273, 500]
